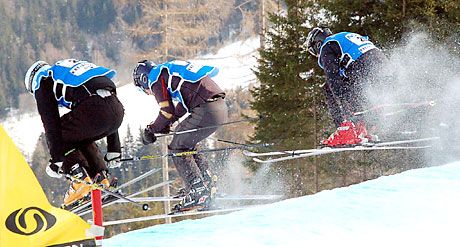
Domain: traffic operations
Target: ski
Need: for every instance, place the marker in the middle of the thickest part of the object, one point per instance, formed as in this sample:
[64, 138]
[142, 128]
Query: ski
[87, 209]
[302, 151]
[87, 204]
[112, 200]
[296, 154]
[217, 198]
[288, 152]
[107, 197]
[95, 186]
[334, 150]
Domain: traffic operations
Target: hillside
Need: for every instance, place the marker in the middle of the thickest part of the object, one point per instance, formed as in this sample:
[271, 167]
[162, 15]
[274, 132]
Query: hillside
[415, 208]
[234, 61]
[114, 33]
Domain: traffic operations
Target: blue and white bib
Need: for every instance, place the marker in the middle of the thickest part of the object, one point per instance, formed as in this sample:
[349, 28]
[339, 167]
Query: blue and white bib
[186, 71]
[352, 46]
[71, 73]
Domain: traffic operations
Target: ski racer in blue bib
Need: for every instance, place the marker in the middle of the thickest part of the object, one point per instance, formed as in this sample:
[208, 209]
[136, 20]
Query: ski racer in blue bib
[182, 87]
[350, 61]
[95, 112]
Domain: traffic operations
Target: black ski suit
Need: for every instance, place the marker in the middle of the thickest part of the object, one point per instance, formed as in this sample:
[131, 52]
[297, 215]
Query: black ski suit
[344, 93]
[71, 138]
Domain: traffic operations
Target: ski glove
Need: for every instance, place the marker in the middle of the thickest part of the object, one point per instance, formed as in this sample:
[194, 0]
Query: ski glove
[148, 137]
[113, 159]
[53, 169]
[165, 130]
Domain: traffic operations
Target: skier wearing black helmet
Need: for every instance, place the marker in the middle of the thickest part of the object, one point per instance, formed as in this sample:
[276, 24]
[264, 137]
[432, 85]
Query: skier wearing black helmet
[95, 112]
[349, 61]
[191, 87]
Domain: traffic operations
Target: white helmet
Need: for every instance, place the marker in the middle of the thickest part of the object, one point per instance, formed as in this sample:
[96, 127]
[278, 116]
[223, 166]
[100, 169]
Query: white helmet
[33, 72]
[315, 39]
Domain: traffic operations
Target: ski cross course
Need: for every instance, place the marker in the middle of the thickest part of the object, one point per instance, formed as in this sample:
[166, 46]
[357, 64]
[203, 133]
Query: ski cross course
[414, 208]
[417, 207]
[116, 196]
[287, 155]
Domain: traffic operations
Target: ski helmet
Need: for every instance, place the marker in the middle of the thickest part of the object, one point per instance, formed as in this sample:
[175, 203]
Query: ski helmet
[33, 72]
[316, 38]
[141, 74]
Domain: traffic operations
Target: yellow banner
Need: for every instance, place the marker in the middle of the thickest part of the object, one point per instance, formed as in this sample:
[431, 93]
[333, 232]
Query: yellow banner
[26, 216]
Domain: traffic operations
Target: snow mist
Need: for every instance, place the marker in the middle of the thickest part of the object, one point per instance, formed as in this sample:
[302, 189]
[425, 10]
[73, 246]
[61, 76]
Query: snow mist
[236, 179]
[421, 70]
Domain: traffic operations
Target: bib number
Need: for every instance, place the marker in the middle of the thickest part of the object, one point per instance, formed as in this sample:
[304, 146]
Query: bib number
[77, 67]
[357, 39]
[194, 68]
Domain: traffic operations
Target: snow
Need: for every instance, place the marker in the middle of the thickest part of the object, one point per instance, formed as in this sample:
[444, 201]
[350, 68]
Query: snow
[234, 61]
[24, 129]
[414, 208]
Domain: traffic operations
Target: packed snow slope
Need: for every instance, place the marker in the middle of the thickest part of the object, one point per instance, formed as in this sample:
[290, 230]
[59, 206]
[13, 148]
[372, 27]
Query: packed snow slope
[415, 208]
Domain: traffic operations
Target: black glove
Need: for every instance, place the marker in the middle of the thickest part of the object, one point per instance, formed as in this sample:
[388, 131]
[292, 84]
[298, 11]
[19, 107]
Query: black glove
[148, 137]
[165, 130]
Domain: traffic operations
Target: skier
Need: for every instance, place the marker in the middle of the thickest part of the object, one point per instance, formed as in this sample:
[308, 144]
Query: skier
[350, 61]
[192, 88]
[95, 112]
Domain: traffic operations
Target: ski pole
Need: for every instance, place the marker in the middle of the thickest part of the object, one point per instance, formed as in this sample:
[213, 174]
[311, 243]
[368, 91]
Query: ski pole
[95, 186]
[242, 144]
[208, 127]
[185, 153]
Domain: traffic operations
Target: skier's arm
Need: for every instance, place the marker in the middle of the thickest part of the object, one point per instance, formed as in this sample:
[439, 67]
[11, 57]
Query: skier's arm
[333, 106]
[166, 116]
[330, 58]
[49, 112]
[180, 111]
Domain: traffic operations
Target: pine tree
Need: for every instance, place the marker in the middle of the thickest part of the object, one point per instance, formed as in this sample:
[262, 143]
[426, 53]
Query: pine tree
[294, 109]
[291, 106]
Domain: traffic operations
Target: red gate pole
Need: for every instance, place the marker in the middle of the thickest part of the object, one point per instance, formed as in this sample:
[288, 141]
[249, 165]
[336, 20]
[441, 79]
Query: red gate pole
[96, 201]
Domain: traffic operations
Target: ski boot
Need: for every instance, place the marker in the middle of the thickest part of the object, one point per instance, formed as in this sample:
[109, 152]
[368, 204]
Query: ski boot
[198, 198]
[211, 182]
[79, 187]
[181, 193]
[208, 179]
[362, 132]
[345, 135]
[104, 181]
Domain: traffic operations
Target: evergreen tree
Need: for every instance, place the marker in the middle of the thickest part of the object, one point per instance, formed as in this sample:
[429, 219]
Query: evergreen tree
[130, 170]
[291, 106]
[294, 109]
[282, 96]
[104, 32]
